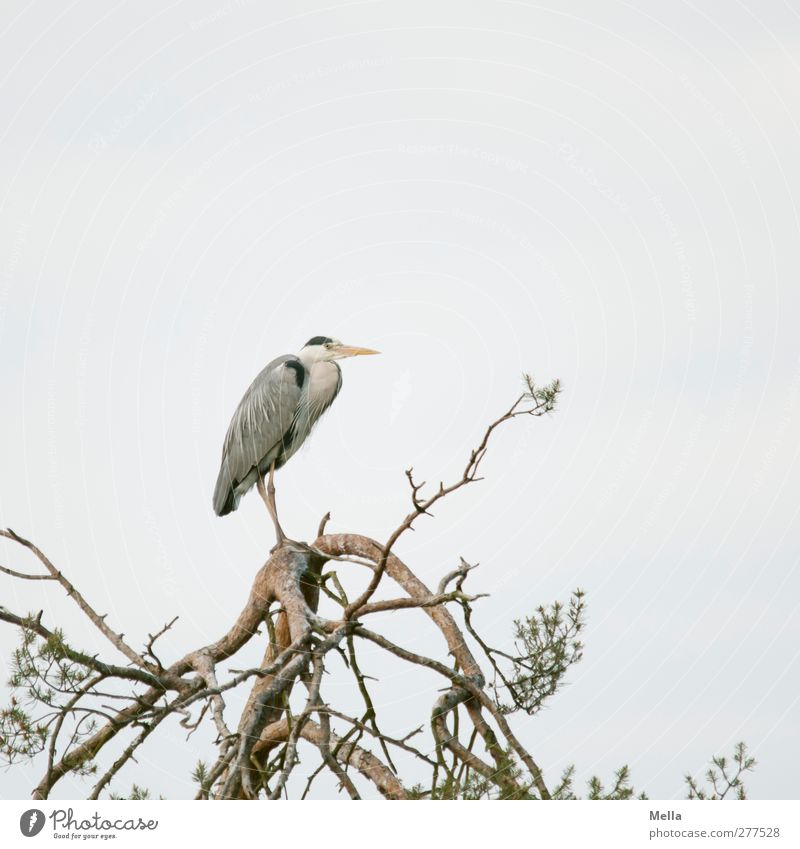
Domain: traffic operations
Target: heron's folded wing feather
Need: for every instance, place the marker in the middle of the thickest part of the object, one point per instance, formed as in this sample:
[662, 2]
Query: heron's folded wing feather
[263, 416]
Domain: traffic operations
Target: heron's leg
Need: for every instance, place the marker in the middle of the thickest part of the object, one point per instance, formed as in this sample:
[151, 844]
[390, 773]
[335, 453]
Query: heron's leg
[271, 500]
[268, 496]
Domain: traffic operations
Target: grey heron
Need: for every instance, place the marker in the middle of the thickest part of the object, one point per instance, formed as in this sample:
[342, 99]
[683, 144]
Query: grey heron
[275, 417]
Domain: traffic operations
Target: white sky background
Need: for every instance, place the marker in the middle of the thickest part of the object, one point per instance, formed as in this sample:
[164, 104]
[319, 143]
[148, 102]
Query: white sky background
[602, 192]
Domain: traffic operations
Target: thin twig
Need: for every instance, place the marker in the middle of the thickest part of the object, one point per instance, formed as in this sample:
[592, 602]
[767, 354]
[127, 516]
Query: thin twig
[96, 618]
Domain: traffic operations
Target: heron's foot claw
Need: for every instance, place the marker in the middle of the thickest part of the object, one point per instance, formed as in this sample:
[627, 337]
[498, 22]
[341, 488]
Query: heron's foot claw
[297, 545]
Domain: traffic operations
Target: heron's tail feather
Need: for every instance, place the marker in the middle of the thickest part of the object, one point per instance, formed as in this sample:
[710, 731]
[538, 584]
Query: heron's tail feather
[225, 500]
[227, 504]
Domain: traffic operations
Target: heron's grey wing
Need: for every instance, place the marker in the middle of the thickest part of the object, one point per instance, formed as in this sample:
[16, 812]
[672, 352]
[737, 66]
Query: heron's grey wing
[256, 431]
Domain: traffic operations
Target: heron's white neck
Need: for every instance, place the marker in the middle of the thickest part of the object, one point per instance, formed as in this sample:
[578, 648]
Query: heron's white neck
[312, 355]
[322, 379]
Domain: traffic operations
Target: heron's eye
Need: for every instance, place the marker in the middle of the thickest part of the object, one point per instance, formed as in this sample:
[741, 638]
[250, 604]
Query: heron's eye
[329, 344]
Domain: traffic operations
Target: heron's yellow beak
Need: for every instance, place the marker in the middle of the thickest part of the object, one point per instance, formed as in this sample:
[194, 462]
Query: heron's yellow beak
[350, 351]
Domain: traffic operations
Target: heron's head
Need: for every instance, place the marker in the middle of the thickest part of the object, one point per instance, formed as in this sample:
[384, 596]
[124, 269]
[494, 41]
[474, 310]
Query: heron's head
[325, 349]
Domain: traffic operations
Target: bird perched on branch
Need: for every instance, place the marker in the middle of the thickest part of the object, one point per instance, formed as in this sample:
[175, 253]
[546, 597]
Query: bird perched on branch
[275, 417]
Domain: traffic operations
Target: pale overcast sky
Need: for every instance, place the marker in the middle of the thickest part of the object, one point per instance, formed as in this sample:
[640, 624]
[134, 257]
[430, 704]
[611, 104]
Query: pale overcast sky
[603, 192]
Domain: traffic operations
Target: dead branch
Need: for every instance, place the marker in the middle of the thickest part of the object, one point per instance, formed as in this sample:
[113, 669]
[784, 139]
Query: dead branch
[349, 754]
[98, 620]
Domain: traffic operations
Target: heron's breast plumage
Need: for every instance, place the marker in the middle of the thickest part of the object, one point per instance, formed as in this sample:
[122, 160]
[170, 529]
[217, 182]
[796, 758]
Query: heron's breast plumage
[320, 387]
[324, 382]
